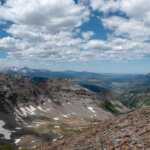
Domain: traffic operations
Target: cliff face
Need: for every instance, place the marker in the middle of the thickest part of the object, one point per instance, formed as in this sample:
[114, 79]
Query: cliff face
[15, 92]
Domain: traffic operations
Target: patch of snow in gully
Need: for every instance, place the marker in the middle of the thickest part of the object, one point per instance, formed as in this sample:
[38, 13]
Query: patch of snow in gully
[56, 118]
[40, 108]
[91, 109]
[17, 141]
[6, 133]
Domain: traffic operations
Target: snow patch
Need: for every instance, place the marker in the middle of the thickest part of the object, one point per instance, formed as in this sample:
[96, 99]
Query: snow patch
[91, 109]
[18, 128]
[23, 111]
[17, 141]
[29, 111]
[73, 113]
[41, 109]
[6, 133]
[33, 141]
[18, 118]
[32, 108]
[29, 126]
[34, 146]
[38, 124]
[54, 140]
[61, 136]
[66, 116]
[56, 118]
[56, 126]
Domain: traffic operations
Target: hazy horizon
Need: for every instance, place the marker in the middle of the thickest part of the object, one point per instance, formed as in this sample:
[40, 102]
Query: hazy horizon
[54, 70]
[90, 35]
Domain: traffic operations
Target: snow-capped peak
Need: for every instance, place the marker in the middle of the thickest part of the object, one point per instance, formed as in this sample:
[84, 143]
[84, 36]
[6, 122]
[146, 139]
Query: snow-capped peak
[11, 69]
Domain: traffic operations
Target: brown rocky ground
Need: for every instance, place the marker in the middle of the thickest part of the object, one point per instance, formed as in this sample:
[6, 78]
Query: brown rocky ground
[126, 132]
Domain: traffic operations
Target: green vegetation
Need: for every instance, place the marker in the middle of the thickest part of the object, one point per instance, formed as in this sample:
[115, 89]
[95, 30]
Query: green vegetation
[93, 87]
[24, 149]
[94, 120]
[110, 107]
[66, 131]
[6, 146]
[135, 100]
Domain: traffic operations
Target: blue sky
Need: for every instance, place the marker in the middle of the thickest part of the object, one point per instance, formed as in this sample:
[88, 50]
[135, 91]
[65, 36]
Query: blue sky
[89, 35]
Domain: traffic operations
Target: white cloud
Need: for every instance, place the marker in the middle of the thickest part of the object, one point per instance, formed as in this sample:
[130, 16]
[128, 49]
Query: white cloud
[136, 9]
[128, 28]
[51, 15]
[105, 5]
[132, 8]
[87, 35]
[43, 30]
[48, 30]
[75, 49]
[117, 49]
[132, 25]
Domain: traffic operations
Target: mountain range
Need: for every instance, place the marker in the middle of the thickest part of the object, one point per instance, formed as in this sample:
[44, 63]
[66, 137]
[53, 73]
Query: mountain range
[33, 113]
[40, 107]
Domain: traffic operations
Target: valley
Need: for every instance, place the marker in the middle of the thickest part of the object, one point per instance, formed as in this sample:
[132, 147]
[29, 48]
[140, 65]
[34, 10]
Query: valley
[48, 113]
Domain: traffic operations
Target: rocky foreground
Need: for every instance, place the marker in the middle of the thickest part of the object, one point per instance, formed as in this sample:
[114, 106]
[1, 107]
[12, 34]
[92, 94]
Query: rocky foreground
[127, 132]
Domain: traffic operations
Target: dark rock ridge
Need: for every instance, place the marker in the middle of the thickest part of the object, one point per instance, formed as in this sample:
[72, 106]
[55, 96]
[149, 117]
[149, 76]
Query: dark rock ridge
[15, 92]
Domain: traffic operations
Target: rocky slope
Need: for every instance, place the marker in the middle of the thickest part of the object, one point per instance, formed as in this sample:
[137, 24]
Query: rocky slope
[33, 114]
[130, 131]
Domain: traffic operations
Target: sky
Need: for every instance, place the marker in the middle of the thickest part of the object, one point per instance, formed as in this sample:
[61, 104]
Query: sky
[106, 36]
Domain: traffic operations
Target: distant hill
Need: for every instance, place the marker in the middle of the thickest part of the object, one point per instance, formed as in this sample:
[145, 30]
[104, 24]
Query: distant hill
[25, 71]
[93, 81]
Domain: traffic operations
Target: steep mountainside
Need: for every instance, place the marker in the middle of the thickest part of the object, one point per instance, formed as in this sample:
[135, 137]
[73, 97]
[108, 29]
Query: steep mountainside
[138, 94]
[136, 99]
[32, 114]
[128, 131]
[15, 92]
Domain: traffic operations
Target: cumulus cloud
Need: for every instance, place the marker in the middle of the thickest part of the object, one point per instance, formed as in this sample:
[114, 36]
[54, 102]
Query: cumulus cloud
[43, 30]
[129, 23]
[128, 28]
[50, 30]
[105, 5]
[52, 15]
[87, 35]
[138, 10]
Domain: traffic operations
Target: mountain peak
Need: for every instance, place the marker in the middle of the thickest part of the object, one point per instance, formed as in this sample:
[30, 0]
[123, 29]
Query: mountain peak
[12, 68]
